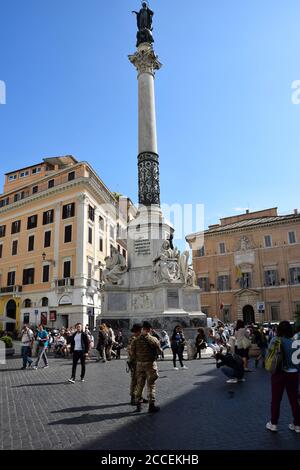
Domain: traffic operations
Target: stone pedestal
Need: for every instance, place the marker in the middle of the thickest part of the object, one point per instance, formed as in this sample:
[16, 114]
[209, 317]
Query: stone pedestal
[140, 296]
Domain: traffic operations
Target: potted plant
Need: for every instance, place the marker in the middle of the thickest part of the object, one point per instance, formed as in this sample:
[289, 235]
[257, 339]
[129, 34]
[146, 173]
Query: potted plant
[9, 349]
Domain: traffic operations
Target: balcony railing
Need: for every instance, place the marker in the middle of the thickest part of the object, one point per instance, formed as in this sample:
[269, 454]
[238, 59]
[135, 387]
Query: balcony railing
[65, 282]
[10, 289]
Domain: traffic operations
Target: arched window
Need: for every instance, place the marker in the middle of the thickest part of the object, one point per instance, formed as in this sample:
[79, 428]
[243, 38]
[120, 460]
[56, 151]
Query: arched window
[45, 302]
[27, 303]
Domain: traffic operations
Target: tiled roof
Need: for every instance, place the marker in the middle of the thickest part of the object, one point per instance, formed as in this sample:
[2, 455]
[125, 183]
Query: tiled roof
[247, 223]
[254, 222]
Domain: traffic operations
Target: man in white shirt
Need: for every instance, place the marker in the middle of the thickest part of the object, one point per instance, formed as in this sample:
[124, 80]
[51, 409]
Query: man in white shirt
[79, 349]
[27, 338]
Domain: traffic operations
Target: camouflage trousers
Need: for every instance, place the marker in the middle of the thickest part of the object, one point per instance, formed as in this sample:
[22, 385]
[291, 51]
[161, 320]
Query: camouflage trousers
[146, 372]
[133, 382]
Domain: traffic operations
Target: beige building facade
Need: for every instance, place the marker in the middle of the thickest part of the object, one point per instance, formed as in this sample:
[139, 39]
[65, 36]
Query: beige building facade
[249, 266]
[58, 223]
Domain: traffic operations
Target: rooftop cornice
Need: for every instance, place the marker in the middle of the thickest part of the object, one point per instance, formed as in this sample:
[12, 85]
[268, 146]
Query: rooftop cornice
[89, 183]
[58, 173]
[50, 176]
[221, 231]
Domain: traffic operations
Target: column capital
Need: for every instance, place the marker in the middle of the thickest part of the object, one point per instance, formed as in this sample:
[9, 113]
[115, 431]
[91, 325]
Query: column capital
[145, 60]
[83, 198]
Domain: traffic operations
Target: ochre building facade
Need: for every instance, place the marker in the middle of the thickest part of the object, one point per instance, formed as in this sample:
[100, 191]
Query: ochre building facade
[58, 223]
[249, 266]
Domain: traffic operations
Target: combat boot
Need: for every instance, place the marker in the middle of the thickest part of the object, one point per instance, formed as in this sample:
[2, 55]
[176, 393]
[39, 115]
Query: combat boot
[133, 402]
[152, 408]
[138, 407]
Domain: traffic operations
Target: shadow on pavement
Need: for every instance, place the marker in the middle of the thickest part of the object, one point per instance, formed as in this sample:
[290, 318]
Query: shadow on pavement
[214, 415]
[41, 384]
[87, 418]
[88, 408]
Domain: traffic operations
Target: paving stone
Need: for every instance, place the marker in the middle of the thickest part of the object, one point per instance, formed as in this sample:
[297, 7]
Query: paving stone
[40, 410]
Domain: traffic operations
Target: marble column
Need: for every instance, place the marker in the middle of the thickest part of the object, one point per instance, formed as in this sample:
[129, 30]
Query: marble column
[146, 63]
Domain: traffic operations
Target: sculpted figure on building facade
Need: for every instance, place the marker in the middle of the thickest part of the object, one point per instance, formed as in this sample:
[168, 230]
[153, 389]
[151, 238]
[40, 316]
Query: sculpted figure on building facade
[115, 268]
[166, 264]
[245, 244]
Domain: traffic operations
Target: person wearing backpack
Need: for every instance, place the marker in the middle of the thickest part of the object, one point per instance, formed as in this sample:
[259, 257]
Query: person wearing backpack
[262, 343]
[243, 343]
[43, 340]
[281, 362]
[144, 352]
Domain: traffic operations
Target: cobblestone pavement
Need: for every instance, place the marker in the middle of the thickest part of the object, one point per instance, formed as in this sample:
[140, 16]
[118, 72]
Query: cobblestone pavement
[40, 410]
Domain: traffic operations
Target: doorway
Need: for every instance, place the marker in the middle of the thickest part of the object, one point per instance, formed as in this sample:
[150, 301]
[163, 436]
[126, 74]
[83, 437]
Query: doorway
[248, 314]
[65, 321]
[11, 312]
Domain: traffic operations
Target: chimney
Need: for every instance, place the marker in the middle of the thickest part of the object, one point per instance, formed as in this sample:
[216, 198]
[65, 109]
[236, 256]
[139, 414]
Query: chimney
[247, 211]
[296, 211]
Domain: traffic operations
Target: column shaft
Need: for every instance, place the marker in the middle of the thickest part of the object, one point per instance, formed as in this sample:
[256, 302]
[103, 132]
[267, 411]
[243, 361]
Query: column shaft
[147, 118]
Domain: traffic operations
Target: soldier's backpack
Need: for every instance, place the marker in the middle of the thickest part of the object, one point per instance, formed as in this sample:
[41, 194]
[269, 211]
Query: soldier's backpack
[275, 359]
[152, 348]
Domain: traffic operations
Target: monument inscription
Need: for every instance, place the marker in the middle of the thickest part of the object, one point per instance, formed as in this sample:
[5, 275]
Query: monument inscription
[142, 247]
[173, 298]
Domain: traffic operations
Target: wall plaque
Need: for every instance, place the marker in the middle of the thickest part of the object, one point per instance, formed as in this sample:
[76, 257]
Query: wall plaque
[117, 302]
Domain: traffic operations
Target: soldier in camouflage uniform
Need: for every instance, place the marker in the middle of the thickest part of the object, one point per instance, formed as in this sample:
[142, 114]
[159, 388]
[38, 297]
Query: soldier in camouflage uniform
[144, 350]
[136, 330]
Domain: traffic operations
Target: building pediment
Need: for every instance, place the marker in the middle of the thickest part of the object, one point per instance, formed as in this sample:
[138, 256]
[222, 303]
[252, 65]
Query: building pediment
[246, 291]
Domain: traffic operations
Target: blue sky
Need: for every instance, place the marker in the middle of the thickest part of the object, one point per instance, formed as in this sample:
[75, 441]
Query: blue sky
[228, 133]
